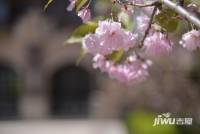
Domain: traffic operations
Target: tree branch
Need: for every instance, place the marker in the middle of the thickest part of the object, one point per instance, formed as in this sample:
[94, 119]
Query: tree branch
[149, 26]
[181, 11]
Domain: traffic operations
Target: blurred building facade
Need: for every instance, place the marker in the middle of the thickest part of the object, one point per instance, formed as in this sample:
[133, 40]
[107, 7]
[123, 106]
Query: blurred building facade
[39, 77]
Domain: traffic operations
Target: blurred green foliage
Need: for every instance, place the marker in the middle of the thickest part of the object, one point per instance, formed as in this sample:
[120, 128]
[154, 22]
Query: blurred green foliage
[194, 73]
[142, 123]
[167, 19]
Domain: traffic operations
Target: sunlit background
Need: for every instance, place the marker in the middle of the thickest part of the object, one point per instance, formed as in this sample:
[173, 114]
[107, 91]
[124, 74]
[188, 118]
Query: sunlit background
[43, 91]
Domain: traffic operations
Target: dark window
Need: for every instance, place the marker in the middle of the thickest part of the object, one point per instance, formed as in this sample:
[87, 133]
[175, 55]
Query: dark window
[4, 12]
[70, 92]
[8, 93]
[58, 12]
[35, 56]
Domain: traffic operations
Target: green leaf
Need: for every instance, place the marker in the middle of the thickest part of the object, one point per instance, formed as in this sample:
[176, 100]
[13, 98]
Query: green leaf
[48, 3]
[81, 56]
[80, 4]
[81, 31]
[167, 20]
[126, 20]
[72, 40]
[116, 56]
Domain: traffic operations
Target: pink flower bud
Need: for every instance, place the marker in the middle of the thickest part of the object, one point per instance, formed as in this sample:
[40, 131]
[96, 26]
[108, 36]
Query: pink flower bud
[71, 5]
[85, 14]
[191, 40]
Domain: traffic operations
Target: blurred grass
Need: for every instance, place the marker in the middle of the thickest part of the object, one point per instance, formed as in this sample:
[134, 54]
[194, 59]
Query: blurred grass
[141, 122]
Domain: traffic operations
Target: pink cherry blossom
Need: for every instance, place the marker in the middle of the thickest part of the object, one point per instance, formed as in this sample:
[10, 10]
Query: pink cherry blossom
[191, 40]
[144, 40]
[142, 23]
[130, 72]
[157, 44]
[148, 10]
[71, 5]
[101, 63]
[109, 37]
[193, 8]
[85, 14]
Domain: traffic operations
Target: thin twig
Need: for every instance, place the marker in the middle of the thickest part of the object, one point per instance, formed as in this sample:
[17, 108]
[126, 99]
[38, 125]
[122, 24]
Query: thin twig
[149, 26]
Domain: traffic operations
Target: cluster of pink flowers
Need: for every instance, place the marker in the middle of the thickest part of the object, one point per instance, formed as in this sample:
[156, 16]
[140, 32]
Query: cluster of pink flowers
[138, 45]
[157, 44]
[109, 37]
[84, 13]
[130, 72]
[191, 40]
